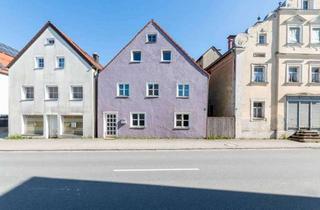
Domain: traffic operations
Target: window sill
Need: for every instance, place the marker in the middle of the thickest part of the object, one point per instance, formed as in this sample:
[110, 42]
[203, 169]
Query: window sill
[26, 100]
[122, 97]
[262, 45]
[58, 69]
[182, 97]
[259, 83]
[48, 100]
[76, 100]
[135, 62]
[314, 84]
[258, 119]
[137, 128]
[151, 97]
[293, 83]
[181, 128]
[294, 44]
[166, 62]
[38, 68]
[150, 42]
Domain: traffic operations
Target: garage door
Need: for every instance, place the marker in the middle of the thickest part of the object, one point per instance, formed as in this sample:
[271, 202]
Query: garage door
[315, 117]
[304, 108]
[293, 115]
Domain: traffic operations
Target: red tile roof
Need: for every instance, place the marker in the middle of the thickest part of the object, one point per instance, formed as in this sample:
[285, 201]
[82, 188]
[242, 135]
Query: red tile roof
[73, 45]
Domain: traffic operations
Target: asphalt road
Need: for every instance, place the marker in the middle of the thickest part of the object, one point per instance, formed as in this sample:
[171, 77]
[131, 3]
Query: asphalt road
[234, 179]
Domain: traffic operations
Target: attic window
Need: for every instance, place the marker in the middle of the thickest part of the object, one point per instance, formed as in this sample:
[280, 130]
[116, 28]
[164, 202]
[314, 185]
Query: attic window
[50, 41]
[151, 38]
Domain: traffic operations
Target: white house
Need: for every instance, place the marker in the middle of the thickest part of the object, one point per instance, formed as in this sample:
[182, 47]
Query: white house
[52, 88]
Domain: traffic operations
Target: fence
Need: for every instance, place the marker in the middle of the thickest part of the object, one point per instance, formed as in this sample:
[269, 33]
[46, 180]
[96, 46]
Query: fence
[221, 127]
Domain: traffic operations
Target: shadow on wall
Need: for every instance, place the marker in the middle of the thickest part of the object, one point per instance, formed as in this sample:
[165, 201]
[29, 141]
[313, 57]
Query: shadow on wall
[46, 193]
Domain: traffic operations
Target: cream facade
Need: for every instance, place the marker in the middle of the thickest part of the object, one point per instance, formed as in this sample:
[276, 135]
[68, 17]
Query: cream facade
[276, 75]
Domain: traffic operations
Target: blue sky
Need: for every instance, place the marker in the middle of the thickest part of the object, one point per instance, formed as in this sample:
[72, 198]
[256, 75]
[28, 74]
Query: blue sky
[105, 26]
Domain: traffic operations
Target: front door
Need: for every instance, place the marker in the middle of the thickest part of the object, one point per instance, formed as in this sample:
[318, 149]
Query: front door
[53, 126]
[111, 125]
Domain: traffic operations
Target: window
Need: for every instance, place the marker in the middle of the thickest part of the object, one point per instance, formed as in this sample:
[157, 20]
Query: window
[138, 120]
[76, 93]
[33, 125]
[60, 62]
[315, 36]
[293, 74]
[50, 41]
[305, 4]
[183, 90]
[39, 63]
[315, 74]
[151, 38]
[182, 120]
[152, 90]
[262, 38]
[294, 36]
[73, 125]
[259, 74]
[166, 56]
[123, 90]
[258, 110]
[28, 93]
[52, 93]
[136, 56]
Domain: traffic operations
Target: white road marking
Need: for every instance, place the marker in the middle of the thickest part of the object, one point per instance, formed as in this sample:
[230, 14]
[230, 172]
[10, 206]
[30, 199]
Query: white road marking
[156, 170]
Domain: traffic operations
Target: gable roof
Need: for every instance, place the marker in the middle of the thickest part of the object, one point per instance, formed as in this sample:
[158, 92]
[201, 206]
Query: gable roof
[72, 44]
[168, 37]
[8, 50]
[213, 48]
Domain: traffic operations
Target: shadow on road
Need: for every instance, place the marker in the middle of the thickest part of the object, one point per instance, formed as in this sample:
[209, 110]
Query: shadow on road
[46, 193]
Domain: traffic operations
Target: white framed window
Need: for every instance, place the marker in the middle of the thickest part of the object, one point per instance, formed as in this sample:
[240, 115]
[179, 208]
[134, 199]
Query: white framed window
[39, 63]
[181, 120]
[183, 90]
[76, 93]
[294, 74]
[151, 38]
[137, 120]
[123, 90]
[306, 4]
[315, 74]
[136, 56]
[27, 93]
[52, 93]
[258, 110]
[315, 35]
[152, 89]
[262, 38]
[60, 62]
[259, 74]
[294, 34]
[166, 56]
[50, 41]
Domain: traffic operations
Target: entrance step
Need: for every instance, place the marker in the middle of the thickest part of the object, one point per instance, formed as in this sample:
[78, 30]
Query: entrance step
[306, 136]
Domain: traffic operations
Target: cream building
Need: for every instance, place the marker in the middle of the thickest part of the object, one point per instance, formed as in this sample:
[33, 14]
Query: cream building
[269, 80]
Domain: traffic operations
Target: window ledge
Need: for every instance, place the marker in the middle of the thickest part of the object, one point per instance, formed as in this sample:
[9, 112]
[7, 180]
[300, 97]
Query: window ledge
[262, 45]
[259, 83]
[181, 128]
[122, 97]
[135, 62]
[183, 97]
[138, 128]
[38, 68]
[51, 100]
[57, 68]
[294, 44]
[166, 61]
[258, 119]
[76, 100]
[314, 84]
[26, 100]
[293, 83]
[151, 97]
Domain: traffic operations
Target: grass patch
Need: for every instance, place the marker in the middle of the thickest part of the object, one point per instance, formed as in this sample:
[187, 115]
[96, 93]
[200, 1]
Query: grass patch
[218, 138]
[18, 137]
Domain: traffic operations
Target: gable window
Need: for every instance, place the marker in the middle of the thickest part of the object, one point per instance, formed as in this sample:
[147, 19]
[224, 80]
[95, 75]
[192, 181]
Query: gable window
[262, 38]
[315, 35]
[315, 74]
[52, 93]
[152, 90]
[123, 90]
[305, 4]
[60, 63]
[76, 93]
[138, 120]
[136, 56]
[166, 56]
[28, 93]
[259, 74]
[258, 108]
[293, 74]
[151, 38]
[50, 41]
[294, 36]
[39, 63]
[183, 90]
[182, 120]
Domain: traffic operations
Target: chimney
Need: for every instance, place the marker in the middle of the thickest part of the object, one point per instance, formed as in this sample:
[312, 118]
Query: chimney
[95, 57]
[231, 39]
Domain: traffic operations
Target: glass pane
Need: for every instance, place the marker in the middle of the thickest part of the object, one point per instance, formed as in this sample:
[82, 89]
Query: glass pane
[137, 56]
[33, 125]
[73, 125]
[166, 55]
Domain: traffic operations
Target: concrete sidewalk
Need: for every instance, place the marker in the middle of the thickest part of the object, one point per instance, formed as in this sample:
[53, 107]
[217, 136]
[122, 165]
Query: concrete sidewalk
[118, 145]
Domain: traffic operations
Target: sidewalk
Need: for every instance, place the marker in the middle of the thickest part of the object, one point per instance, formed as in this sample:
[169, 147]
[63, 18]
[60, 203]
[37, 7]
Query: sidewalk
[127, 145]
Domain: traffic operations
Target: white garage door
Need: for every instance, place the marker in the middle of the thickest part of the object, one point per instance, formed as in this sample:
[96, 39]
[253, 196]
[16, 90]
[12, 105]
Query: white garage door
[315, 117]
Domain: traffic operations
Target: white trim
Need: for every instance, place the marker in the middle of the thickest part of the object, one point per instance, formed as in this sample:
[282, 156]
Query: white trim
[312, 26]
[265, 72]
[23, 93]
[311, 66]
[71, 93]
[147, 36]
[147, 90]
[177, 90]
[182, 127]
[299, 73]
[145, 120]
[47, 93]
[300, 42]
[255, 100]
[104, 123]
[36, 59]
[118, 89]
[57, 62]
[131, 59]
[266, 38]
[166, 61]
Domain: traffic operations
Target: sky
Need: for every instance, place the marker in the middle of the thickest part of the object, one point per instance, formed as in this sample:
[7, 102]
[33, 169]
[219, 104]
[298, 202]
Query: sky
[105, 26]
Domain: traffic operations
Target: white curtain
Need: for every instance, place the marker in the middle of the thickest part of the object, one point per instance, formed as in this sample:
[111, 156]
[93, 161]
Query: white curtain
[316, 35]
[294, 35]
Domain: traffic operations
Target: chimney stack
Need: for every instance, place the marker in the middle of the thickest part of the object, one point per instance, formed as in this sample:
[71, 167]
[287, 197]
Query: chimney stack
[96, 57]
[231, 39]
